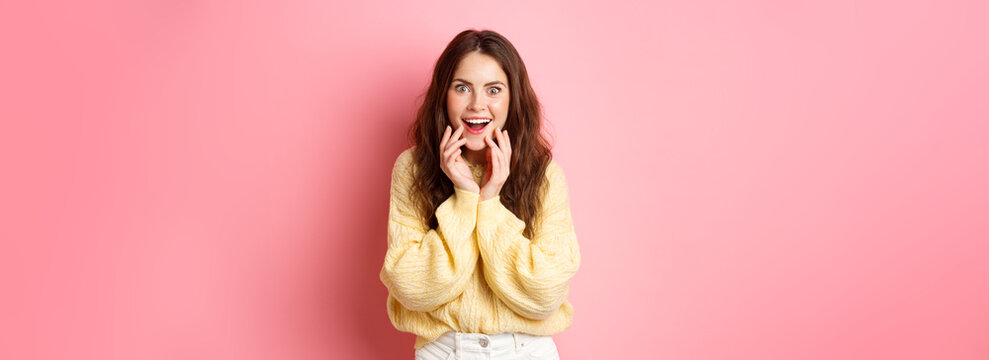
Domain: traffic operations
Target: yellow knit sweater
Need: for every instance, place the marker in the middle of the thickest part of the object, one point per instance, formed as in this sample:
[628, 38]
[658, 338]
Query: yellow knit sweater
[476, 272]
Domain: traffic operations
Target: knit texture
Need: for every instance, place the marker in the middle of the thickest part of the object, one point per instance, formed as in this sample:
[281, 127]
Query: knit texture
[476, 272]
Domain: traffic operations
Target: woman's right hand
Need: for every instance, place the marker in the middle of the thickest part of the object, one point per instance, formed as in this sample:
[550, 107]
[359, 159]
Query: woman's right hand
[453, 164]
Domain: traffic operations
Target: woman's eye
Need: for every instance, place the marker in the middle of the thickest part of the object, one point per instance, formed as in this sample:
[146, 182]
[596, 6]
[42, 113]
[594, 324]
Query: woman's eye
[461, 87]
[494, 90]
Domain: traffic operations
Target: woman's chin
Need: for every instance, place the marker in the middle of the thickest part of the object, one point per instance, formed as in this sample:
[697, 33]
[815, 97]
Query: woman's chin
[476, 144]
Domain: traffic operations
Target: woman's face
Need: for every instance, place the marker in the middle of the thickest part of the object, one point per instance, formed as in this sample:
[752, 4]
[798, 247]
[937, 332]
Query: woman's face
[478, 93]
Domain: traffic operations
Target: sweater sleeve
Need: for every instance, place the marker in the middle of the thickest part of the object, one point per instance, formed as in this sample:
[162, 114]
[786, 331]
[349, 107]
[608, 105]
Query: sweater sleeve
[531, 276]
[426, 268]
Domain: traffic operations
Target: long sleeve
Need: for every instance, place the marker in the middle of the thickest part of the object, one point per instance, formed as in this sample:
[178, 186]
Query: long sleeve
[426, 268]
[531, 277]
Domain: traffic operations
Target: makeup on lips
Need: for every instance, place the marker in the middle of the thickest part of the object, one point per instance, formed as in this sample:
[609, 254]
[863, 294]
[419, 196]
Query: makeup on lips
[476, 124]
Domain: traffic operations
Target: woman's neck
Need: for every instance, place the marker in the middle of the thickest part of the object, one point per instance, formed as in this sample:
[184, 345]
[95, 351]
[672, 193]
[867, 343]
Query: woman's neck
[478, 157]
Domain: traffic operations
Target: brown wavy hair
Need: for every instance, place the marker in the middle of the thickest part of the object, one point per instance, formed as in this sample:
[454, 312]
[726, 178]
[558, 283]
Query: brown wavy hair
[531, 152]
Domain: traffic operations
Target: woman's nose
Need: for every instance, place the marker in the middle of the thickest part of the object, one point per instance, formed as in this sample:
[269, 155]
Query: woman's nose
[477, 103]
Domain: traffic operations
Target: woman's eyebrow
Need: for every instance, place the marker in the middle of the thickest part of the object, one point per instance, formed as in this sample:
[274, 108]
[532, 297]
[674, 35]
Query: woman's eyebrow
[488, 84]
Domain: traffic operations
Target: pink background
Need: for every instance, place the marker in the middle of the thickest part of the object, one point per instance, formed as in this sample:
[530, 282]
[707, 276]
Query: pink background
[749, 180]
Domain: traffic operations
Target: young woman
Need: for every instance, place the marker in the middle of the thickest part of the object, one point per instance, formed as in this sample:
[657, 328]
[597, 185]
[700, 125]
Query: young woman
[481, 245]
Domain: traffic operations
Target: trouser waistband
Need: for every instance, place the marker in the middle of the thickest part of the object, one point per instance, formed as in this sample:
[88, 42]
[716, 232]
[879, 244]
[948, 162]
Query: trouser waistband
[485, 342]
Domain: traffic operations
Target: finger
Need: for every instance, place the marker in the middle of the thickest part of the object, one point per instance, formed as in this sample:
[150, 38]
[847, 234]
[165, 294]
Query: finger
[492, 144]
[456, 136]
[501, 140]
[507, 145]
[446, 136]
[499, 161]
[453, 147]
[457, 144]
[446, 139]
[502, 154]
[460, 132]
[495, 154]
[508, 154]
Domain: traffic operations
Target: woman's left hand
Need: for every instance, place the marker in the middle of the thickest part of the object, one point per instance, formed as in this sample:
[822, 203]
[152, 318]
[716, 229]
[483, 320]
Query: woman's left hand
[499, 161]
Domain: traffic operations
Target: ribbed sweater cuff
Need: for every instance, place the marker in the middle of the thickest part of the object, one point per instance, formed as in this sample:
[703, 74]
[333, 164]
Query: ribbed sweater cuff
[458, 214]
[494, 218]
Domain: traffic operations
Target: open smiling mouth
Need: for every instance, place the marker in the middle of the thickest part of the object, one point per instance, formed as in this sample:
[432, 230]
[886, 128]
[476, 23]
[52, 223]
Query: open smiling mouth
[476, 125]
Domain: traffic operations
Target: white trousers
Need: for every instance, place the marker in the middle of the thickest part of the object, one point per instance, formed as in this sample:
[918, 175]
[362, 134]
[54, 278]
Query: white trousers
[475, 346]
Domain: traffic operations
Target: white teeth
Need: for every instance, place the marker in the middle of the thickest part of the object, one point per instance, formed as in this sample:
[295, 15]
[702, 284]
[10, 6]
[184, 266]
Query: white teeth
[478, 121]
